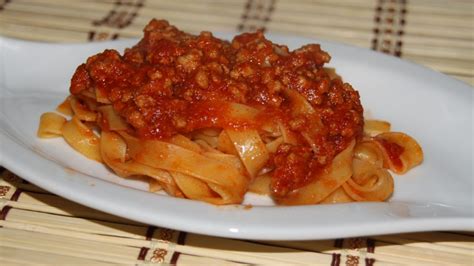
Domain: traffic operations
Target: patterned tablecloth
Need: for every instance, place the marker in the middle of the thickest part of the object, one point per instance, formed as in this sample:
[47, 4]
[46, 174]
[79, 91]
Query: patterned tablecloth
[37, 227]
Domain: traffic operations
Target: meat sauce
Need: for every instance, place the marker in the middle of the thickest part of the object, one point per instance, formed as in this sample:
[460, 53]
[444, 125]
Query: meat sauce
[172, 82]
[394, 152]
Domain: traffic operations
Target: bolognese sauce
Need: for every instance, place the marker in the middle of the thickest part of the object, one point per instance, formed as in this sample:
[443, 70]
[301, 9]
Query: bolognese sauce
[393, 150]
[173, 82]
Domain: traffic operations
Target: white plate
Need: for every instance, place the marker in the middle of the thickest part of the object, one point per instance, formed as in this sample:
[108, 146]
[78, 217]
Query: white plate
[433, 108]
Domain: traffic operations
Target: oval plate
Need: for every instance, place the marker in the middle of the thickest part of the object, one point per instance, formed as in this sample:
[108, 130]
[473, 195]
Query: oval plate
[433, 108]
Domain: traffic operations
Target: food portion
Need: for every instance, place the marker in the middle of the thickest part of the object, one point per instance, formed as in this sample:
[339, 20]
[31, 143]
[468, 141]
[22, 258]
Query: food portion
[208, 119]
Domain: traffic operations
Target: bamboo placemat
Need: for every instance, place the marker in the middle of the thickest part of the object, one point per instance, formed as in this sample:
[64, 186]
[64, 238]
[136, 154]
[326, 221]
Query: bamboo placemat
[37, 227]
[435, 33]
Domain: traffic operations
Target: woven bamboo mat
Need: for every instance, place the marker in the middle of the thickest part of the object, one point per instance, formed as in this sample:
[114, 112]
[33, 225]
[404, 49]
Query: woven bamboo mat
[40, 228]
[435, 33]
[37, 227]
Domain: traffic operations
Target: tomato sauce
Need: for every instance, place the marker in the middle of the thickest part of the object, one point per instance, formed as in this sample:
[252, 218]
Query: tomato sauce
[173, 83]
[394, 151]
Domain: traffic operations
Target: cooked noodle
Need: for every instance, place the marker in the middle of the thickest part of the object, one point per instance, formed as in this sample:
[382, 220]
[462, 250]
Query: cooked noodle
[211, 132]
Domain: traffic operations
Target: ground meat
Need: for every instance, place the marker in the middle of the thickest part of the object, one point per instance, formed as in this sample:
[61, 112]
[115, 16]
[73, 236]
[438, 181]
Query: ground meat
[172, 82]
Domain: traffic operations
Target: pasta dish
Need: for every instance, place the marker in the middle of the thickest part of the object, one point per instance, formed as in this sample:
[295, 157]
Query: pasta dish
[210, 120]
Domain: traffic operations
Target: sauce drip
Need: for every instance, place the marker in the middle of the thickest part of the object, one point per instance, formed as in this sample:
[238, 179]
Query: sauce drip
[394, 151]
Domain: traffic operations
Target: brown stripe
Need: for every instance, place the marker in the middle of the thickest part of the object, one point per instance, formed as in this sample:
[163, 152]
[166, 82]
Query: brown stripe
[269, 12]
[369, 262]
[181, 240]
[149, 232]
[376, 30]
[16, 195]
[5, 2]
[389, 18]
[336, 259]
[245, 15]
[129, 3]
[261, 14]
[370, 243]
[4, 213]
[402, 21]
[338, 243]
[120, 19]
[91, 36]
[148, 236]
[142, 254]
[101, 36]
[6, 209]
[105, 19]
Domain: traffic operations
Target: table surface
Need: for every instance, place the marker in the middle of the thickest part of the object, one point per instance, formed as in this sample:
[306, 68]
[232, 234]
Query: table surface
[37, 227]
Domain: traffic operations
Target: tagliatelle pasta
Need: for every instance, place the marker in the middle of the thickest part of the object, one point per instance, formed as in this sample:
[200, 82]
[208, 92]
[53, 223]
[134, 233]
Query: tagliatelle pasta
[210, 120]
